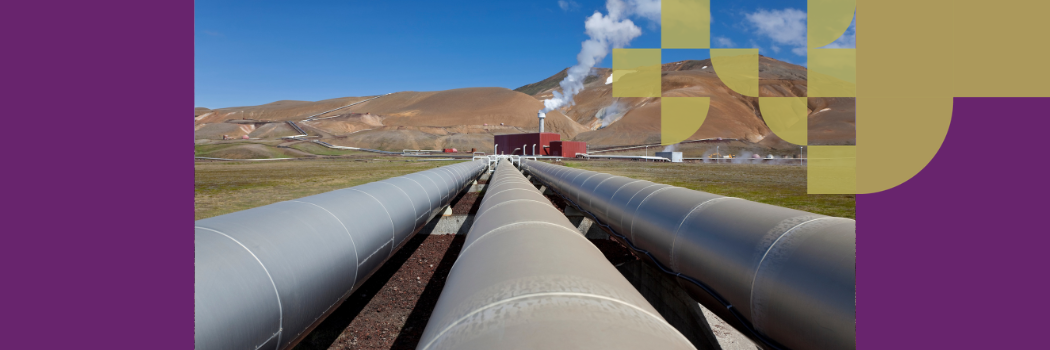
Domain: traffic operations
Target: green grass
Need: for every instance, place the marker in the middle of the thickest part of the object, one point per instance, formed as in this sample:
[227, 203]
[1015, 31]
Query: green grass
[211, 150]
[225, 187]
[206, 149]
[771, 184]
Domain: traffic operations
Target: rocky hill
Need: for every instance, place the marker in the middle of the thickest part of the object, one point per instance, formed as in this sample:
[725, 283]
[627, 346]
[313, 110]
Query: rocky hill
[468, 118]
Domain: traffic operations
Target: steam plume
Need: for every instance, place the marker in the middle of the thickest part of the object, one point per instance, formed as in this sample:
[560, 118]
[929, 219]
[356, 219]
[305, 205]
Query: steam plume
[613, 30]
[611, 113]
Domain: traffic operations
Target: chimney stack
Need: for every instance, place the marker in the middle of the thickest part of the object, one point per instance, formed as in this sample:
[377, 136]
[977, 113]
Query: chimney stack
[541, 115]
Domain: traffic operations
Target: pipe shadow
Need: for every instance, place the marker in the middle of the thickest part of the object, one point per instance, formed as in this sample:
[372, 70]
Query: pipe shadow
[420, 315]
[329, 330]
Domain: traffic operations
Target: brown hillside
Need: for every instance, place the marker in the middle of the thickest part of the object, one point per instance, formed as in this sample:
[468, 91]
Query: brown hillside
[405, 120]
[469, 106]
[276, 111]
[731, 115]
[468, 118]
[553, 81]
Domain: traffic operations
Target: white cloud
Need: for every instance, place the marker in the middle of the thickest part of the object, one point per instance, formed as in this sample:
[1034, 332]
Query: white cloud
[722, 41]
[568, 5]
[648, 9]
[786, 27]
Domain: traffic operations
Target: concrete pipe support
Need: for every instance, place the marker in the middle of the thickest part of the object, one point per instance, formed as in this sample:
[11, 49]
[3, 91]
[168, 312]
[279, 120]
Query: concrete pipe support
[264, 277]
[791, 274]
[526, 278]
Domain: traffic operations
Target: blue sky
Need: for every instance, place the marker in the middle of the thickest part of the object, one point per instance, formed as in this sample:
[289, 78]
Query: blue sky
[256, 52]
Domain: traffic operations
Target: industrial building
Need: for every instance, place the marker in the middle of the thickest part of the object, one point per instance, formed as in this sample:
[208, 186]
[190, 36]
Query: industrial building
[568, 149]
[538, 144]
[674, 157]
[532, 144]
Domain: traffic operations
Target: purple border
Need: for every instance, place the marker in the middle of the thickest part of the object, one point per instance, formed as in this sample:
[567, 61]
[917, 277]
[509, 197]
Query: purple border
[954, 257]
[97, 249]
[95, 252]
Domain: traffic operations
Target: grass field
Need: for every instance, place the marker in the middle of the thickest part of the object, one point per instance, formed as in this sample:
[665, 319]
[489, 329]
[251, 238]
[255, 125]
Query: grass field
[771, 184]
[226, 187]
[268, 149]
[243, 150]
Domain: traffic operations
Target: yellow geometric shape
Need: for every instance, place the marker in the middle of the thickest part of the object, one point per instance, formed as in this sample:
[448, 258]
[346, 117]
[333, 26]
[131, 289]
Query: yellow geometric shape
[831, 170]
[636, 73]
[916, 56]
[685, 24]
[827, 20]
[897, 137]
[738, 69]
[907, 49]
[1000, 48]
[681, 117]
[786, 117]
[832, 73]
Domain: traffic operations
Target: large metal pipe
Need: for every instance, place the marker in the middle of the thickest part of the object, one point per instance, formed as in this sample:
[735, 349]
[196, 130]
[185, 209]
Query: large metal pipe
[526, 278]
[790, 275]
[266, 276]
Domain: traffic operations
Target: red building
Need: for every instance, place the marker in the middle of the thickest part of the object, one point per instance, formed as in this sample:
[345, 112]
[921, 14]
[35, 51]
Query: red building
[524, 144]
[568, 149]
[544, 144]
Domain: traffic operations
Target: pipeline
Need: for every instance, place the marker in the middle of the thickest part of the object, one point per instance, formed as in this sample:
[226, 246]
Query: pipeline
[527, 278]
[785, 277]
[297, 128]
[314, 117]
[264, 277]
[326, 144]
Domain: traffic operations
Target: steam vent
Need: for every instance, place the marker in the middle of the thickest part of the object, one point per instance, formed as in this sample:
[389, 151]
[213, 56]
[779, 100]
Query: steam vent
[510, 251]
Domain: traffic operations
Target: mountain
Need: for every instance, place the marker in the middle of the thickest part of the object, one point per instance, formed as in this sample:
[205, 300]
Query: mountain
[731, 115]
[469, 117]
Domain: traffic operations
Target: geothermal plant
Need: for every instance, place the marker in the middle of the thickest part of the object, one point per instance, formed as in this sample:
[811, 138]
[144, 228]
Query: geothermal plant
[526, 277]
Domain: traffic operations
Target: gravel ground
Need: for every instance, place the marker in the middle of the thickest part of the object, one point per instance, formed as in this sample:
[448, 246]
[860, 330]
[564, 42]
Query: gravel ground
[391, 309]
[467, 204]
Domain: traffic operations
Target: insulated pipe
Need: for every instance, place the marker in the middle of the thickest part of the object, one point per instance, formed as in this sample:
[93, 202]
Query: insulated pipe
[790, 275]
[526, 278]
[264, 277]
